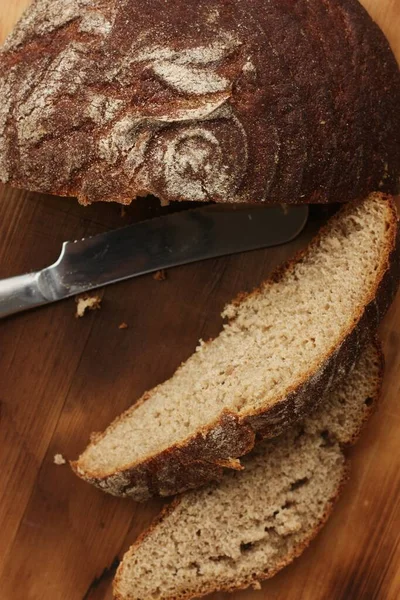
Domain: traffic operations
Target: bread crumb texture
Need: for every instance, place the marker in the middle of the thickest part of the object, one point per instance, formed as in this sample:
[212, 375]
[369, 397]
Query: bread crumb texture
[255, 522]
[282, 347]
[85, 303]
[160, 275]
[59, 459]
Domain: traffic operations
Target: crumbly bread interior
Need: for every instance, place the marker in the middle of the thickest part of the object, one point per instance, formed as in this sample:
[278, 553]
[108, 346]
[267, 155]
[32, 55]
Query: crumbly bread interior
[256, 521]
[275, 339]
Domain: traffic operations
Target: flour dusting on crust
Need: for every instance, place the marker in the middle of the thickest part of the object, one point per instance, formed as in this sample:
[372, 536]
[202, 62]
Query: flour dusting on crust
[199, 101]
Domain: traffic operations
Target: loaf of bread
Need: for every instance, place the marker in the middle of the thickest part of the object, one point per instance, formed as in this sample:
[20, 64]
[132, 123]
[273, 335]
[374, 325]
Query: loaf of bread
[283, 346]
[261, 101]
[235, 534]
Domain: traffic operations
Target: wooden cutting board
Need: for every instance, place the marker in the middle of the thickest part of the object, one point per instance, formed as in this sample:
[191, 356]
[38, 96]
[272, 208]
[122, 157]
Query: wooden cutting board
[61, 378]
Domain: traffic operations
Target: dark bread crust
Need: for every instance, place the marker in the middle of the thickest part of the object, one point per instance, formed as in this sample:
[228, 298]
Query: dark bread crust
[235, 101]
[201, 458]
[257, 577]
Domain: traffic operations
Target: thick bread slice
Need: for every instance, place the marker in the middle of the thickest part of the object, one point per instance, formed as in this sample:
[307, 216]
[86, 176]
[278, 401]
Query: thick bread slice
[283, 347]
[232, 535]
[237, 101]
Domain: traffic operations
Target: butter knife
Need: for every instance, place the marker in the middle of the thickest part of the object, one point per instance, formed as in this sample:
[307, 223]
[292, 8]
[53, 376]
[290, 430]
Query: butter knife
[175, 239]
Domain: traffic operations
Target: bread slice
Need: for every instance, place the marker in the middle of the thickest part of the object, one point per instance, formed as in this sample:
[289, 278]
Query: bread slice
[282, 348]
[239, 101]
[232, 535]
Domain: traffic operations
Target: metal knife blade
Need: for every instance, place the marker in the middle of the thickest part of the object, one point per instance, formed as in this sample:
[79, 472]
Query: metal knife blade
[148, 246]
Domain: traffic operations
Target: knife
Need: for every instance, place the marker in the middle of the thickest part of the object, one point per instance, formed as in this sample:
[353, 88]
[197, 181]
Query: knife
[175, 239]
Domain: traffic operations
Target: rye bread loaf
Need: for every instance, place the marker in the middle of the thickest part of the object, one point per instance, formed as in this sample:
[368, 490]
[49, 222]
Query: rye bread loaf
[283, 347]
[261, 101]
[232, 535]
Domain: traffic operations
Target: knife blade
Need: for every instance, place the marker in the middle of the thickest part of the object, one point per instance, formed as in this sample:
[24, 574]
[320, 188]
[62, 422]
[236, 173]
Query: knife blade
[164, 242]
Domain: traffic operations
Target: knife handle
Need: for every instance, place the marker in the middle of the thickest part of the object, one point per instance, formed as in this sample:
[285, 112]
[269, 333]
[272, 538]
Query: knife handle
[20, 293]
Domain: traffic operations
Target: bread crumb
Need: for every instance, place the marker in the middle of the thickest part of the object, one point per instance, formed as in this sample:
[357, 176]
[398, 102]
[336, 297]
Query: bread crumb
[123, 326]
[285, 209]
[230, 463]
[160, 275]
[256, 585]
[59, 459]
[85, 303]
[201, 345]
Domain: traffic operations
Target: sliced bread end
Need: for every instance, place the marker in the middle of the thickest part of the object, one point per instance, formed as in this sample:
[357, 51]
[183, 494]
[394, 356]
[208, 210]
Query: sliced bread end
[282, 348]
[233, 535]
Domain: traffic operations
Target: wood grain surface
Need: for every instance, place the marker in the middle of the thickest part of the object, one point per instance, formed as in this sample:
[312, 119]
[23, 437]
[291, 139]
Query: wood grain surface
[62, 378]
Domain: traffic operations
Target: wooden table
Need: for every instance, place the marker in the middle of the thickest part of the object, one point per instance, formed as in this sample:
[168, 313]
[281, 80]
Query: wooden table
[61, 378]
